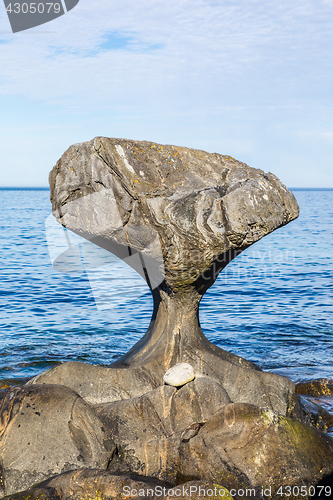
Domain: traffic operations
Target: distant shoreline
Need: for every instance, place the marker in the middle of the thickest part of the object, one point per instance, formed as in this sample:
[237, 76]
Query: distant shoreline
[24, 188]
[31, 188]
[310, 189]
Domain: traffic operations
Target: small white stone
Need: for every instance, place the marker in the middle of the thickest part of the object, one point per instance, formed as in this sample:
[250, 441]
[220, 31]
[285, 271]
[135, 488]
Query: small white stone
[180, 374]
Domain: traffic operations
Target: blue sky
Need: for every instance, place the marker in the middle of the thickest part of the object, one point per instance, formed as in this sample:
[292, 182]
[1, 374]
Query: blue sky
[247, 78]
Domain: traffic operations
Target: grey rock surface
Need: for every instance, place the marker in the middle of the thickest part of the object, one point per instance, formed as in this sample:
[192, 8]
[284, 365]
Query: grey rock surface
[245, 443]
[169, 437]
[201, 205]
[89, 484]
[197, 433]
[46, 430]
[162, 412]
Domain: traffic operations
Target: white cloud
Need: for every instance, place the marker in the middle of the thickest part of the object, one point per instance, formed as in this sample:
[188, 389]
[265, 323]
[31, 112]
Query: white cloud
[247, 74]
[203, 44]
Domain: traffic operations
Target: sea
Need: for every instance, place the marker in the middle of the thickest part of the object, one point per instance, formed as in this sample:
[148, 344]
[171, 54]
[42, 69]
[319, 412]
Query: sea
[272, 305]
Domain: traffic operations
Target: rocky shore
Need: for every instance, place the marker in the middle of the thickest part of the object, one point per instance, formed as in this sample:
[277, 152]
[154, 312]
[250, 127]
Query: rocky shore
[176, 411]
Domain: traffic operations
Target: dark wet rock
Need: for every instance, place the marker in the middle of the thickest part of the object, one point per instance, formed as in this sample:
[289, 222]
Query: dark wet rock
[46, 430]
[88, 484]
[318, 387]
[38, 493]
[315, 415]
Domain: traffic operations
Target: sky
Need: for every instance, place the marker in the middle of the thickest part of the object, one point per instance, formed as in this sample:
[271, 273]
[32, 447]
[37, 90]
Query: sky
[252, 79]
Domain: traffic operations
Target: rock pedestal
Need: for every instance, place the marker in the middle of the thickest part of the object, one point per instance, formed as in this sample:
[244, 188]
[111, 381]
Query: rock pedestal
[178, 216]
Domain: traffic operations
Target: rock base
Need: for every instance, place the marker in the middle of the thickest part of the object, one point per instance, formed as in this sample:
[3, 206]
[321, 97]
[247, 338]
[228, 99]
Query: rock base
[164, 435]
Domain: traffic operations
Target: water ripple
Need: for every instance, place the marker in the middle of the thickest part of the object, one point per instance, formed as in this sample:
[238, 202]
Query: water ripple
[272, 305]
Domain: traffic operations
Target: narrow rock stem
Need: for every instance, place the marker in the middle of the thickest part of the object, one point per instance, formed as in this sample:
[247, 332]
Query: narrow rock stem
[174, 323]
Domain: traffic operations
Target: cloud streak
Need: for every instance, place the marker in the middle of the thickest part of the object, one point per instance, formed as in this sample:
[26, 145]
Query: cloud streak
[199, 43]
[198, 72]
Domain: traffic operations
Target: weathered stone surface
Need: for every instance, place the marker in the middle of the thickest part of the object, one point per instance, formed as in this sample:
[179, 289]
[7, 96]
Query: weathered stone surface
[318, 387]
[182, 214]
[99, 384]
[258, 448]
[46, 430]
[201, 205]
[315, 415]
[163, 412]
[97, 485]
[196, 433]
[148, 431]
[179, 374]
[239, 446]
[177, 216]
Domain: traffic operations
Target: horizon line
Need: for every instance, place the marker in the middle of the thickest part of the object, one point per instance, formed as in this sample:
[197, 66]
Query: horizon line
[46, 188]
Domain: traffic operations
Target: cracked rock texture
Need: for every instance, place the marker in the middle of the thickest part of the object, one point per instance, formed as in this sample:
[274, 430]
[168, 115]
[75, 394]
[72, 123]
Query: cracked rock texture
[47, 430]
[196, 432]
[119, 192]
[102, 485]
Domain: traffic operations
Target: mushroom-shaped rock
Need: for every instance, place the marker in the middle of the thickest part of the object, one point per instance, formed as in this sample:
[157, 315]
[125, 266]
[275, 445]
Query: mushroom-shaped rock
[178, 216]
[180, 374]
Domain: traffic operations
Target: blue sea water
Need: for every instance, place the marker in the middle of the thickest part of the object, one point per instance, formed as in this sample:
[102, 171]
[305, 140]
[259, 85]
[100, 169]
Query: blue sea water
[272, 305]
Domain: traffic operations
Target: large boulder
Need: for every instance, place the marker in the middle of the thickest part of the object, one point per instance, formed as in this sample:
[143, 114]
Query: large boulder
[196, 432]
[47, 430]
[199, 206]
[253, 447]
